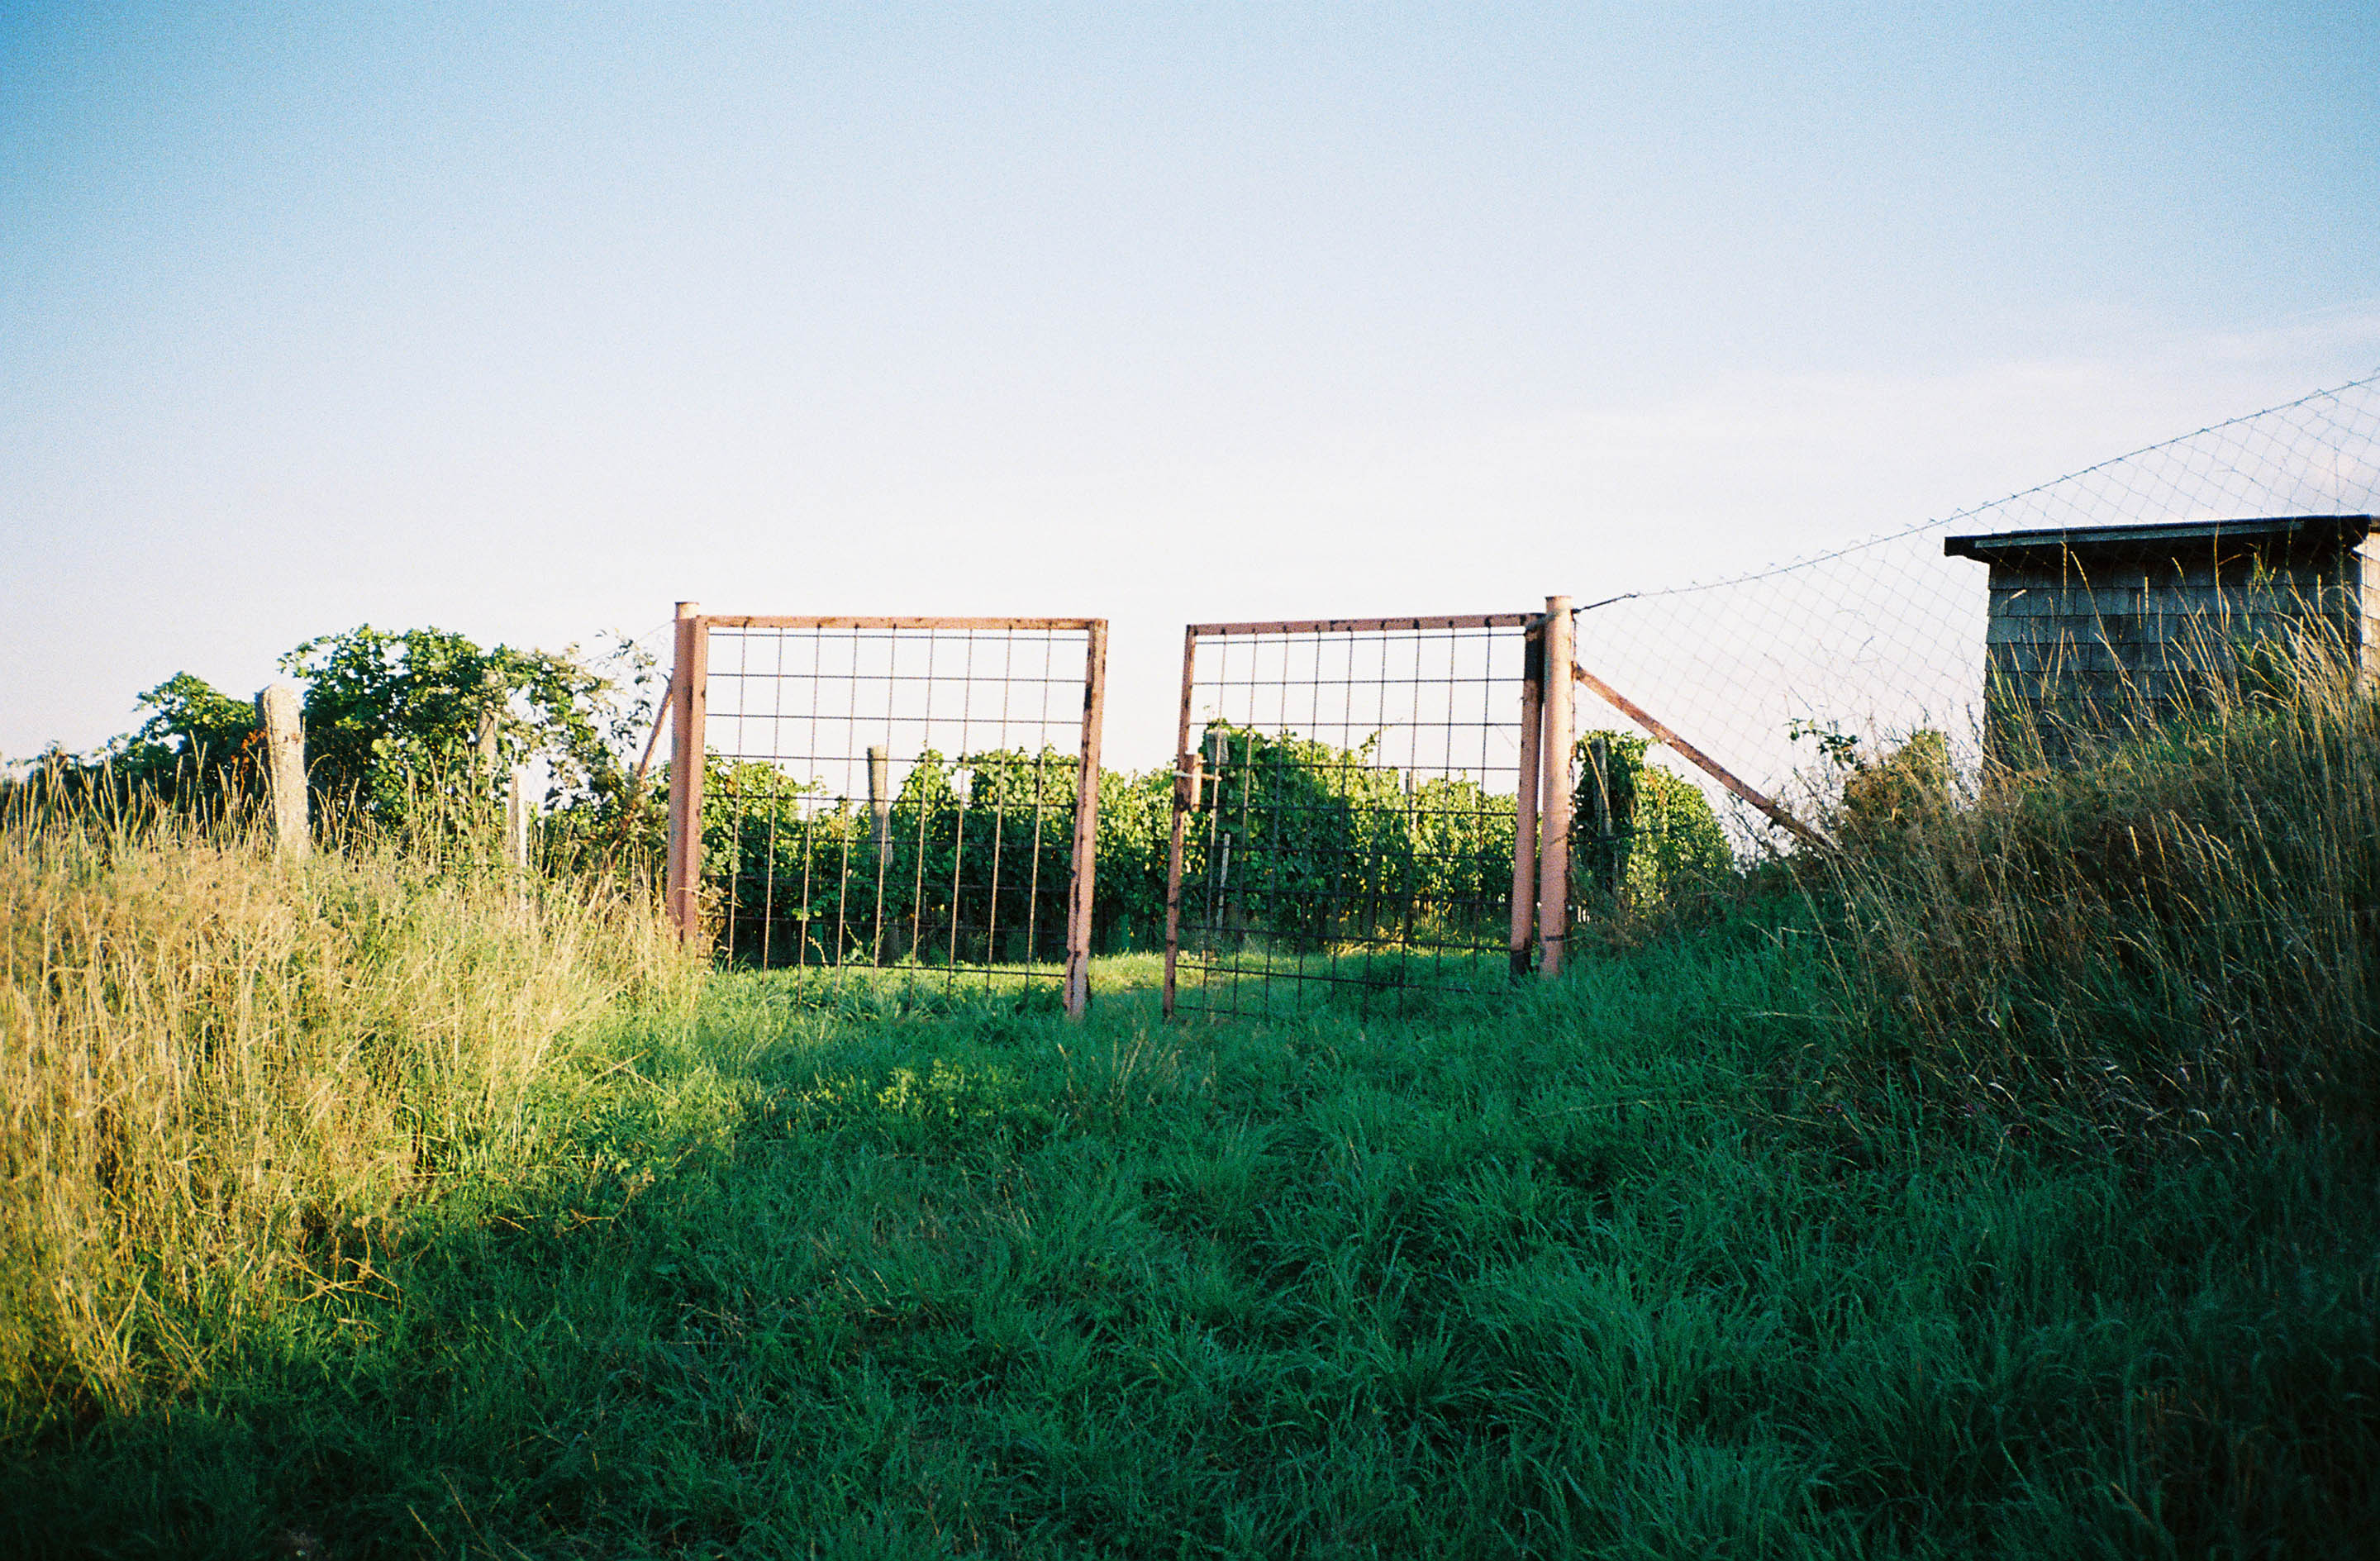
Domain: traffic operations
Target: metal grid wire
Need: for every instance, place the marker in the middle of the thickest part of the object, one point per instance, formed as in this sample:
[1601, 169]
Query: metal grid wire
[1884, 638]
[1355, 794]
[900, 797]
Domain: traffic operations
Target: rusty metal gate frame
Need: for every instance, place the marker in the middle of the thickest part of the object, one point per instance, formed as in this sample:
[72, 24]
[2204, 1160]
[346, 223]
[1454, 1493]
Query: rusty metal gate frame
[1540, 892]
[687, 706]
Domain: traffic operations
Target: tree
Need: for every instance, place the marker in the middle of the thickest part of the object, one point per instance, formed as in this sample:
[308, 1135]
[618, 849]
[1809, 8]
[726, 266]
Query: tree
[393, 720]
[195, 739]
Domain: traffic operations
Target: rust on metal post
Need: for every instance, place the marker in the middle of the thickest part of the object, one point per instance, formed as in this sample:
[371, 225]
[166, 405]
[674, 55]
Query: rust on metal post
[1368, 625]
[1553, 798]
[1699, 759]
[1084, 882]
[767, 621]
[680, 893]
[1184, 761]
[1524, 818]
[284, 768]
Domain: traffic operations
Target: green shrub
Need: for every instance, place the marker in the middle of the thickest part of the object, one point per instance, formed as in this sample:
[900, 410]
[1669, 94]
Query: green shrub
[1641, 837]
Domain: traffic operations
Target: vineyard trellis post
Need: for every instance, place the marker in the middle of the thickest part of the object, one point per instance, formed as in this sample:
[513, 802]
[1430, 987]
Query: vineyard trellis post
[278, 714]
[1186, 779]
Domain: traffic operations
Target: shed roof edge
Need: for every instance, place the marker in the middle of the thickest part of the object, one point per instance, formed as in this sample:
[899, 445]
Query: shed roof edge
[2345, 530]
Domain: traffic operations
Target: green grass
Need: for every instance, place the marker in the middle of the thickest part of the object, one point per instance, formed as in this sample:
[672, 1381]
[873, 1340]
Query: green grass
[2010, 1189]
[1624, 1266]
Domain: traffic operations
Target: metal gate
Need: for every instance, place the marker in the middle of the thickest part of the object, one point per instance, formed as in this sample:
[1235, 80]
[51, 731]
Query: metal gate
[910, 794]
[1374, 806]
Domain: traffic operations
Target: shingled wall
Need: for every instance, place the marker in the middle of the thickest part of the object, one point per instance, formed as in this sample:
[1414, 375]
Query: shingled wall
[2090, 628]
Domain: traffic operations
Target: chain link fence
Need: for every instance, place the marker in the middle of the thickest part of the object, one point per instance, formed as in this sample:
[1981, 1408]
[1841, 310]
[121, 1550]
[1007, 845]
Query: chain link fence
[1771, 672]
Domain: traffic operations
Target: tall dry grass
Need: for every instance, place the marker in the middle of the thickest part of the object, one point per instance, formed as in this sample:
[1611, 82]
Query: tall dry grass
[2173, 927]
[210, 1056]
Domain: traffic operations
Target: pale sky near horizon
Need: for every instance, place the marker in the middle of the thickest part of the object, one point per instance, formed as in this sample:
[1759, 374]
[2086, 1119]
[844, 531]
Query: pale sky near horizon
[525, 321]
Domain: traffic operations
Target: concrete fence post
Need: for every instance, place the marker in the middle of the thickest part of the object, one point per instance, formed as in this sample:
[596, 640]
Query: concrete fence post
[284, 768]
[517, 817]
[879, 794]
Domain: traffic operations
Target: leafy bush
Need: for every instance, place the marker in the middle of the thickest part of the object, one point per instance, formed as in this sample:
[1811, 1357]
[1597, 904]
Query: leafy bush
[417, 730]
[384, 710]
[1640, 836]
[1906, 789]
[972, 864]
[1308, 844]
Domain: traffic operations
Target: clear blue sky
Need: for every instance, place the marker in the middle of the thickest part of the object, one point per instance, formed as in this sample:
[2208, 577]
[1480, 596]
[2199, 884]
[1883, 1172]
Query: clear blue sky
[525, 321]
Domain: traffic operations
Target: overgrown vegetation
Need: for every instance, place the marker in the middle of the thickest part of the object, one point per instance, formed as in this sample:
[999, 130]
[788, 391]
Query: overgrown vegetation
[1309, 845]
[2177, 933]
[801, 879]
[1643, 842]
[226, 1075]
[2000, 1184]
[400, 723]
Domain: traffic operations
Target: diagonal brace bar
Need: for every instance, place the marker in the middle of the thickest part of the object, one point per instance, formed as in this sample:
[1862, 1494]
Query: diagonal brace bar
[1699, 759]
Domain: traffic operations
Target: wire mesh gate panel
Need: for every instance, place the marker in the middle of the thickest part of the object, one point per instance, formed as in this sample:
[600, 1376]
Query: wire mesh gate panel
[909, 794]
[1354, 810]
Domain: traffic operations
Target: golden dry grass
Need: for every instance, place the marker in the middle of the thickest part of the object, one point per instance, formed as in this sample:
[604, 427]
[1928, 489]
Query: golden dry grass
[209, 1056]
[2175, 927]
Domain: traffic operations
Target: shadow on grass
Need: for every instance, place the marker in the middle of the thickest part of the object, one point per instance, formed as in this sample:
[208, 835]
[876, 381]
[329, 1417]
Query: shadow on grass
[1571, 1276]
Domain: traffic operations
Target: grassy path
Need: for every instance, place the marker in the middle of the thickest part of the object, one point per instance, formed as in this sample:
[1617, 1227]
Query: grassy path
[1606, 1269]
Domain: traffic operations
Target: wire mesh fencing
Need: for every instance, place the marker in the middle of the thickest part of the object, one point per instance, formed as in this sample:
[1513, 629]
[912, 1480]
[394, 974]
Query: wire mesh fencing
[910, 795]
[1376, 809]
[1786, 676]
[1354, 810]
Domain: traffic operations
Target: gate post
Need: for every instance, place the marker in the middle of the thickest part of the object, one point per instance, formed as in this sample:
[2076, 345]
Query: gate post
[1553, 859]
[681, 896]
[1084, 881]
[1524, 815]
[1184, 800]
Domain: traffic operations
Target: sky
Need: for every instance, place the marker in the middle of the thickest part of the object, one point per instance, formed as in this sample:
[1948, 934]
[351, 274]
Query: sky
[527, 322]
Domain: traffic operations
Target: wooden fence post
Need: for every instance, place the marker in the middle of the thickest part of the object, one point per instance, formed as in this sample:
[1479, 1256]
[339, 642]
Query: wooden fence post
[284, 768]
[1554, 799]
[1084, 881]
[681, 892]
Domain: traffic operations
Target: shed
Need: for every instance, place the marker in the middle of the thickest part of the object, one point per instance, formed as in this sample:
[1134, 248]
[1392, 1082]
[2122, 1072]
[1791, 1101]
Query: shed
[2087, 622]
